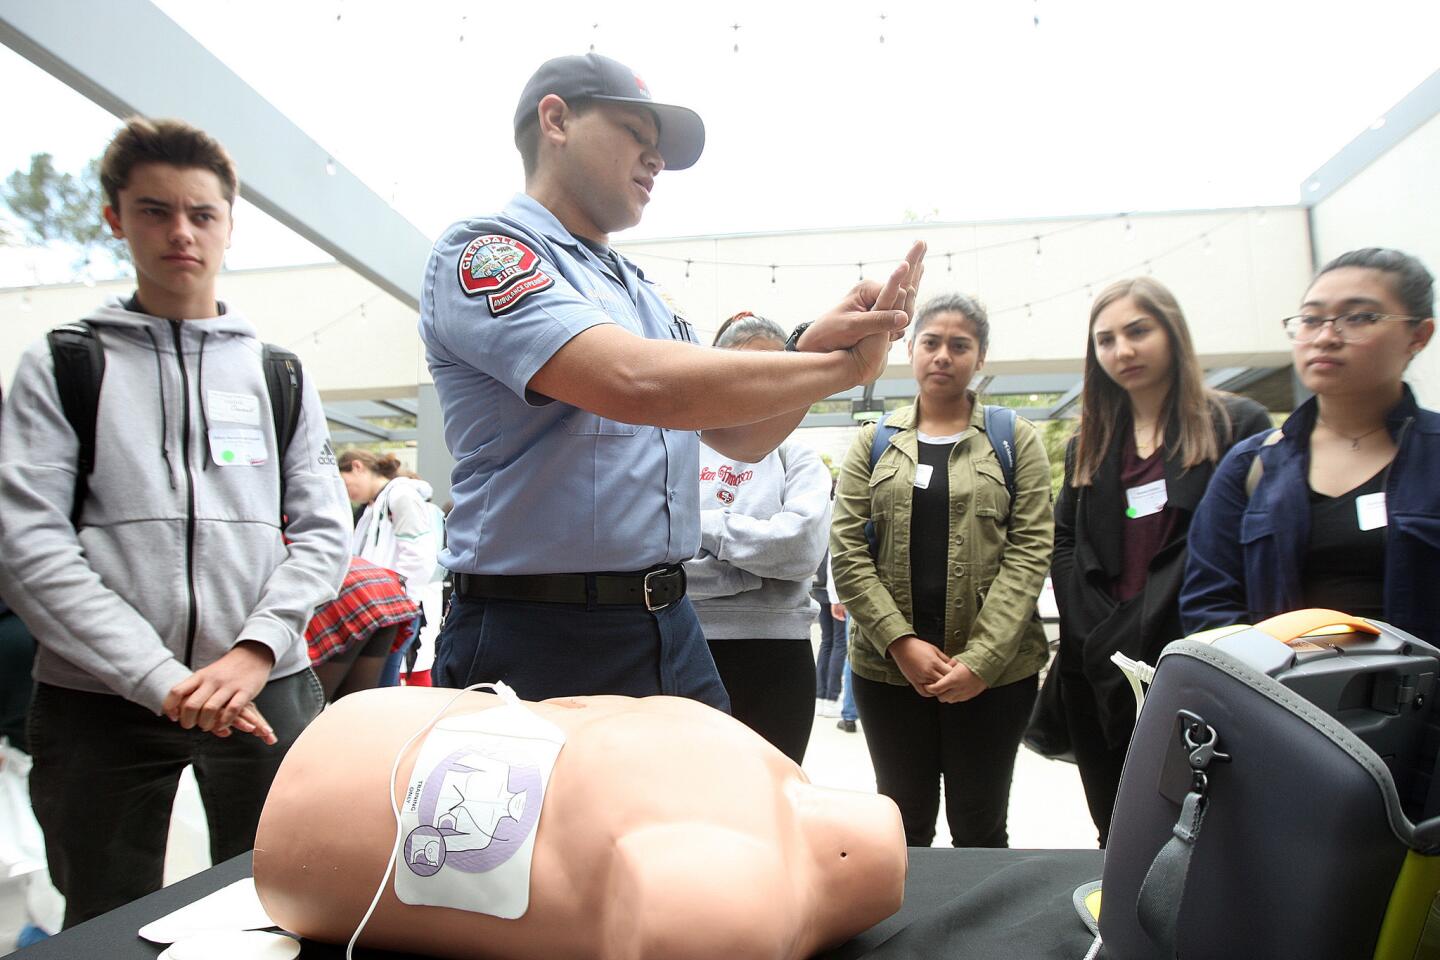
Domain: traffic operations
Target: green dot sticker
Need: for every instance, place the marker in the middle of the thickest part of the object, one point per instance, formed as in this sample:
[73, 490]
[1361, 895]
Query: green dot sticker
[1130, 512]
[227, 455]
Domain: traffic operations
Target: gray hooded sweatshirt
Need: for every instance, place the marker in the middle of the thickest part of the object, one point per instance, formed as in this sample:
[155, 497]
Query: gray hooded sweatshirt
[179, 554]
[763, 531]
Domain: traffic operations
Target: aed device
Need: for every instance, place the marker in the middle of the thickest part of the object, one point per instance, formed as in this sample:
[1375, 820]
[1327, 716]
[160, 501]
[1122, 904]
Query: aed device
[1375, 679]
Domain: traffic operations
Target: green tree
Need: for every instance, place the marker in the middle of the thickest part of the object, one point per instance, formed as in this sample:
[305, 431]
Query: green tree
[53, 206]
[1055, 434]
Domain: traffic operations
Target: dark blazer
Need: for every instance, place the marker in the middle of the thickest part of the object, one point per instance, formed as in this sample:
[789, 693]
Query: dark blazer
[1088, 558]
[1247, 553]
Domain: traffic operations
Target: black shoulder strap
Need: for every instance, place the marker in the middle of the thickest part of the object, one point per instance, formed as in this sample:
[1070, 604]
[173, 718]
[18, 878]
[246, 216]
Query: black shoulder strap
[79, 360]
[284, 379]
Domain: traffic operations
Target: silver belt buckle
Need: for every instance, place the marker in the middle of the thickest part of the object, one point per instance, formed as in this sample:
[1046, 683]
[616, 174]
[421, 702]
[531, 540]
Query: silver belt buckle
[652, 607]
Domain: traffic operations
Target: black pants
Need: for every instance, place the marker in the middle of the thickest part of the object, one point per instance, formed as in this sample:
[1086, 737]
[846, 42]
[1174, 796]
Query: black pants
[769, 682]
[17, 656]
[915, 741]
[105, 776]
[1100, 764]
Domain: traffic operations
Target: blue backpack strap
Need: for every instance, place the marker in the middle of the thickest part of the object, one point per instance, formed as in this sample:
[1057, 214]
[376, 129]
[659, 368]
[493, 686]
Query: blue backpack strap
[1000, 428]
[881, 440]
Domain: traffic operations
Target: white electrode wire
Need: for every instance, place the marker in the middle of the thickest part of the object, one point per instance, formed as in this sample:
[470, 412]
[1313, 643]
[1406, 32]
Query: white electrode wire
[395, 807]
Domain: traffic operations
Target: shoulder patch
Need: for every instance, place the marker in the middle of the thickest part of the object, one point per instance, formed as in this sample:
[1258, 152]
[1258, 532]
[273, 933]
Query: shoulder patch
[502, 269]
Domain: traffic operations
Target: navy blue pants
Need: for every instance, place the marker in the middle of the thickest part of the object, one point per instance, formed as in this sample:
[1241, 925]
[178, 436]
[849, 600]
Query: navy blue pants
[545, 650]
[830, 660]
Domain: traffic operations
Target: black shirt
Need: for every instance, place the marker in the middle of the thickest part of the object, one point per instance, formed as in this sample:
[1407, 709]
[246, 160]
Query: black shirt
[930, 541]
[1344, 565]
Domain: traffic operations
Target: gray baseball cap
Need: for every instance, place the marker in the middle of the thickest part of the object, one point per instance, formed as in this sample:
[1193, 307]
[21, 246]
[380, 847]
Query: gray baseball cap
[593, 77]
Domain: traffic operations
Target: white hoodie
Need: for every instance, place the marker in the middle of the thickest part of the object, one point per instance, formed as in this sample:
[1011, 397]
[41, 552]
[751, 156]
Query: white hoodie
[763, 531]
[401, 531]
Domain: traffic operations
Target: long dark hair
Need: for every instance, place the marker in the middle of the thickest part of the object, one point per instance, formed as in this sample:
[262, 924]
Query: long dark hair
[1189, 403]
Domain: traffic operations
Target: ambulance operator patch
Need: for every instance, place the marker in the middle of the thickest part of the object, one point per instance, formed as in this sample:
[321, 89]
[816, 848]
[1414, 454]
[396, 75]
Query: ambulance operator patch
[502, 269]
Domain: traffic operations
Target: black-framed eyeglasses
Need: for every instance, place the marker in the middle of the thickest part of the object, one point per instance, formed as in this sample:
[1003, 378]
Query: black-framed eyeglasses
[1350, 327]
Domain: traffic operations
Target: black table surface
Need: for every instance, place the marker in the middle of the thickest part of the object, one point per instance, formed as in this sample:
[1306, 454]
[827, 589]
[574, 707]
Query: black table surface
[959, 904]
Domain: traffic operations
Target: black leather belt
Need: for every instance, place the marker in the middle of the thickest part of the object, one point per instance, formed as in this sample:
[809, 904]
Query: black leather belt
[651, 589]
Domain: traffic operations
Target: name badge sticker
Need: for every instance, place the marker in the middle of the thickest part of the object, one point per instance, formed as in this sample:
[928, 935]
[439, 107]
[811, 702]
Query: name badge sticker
[1145, 500]
[923, 472]
[233, 407]
[1370, 511]
[238, 447]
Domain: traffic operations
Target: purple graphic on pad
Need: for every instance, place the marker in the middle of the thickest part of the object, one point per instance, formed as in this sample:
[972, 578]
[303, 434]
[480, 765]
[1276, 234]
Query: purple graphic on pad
[475, 813]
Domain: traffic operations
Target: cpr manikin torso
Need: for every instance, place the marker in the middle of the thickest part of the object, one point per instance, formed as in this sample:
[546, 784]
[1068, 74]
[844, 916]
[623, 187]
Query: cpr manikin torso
[668, 831]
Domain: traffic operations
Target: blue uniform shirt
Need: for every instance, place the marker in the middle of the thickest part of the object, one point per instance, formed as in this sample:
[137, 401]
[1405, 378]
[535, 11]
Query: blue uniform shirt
[541, 486]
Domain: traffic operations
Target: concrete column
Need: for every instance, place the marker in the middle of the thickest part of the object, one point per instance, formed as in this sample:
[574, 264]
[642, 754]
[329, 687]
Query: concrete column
[432, 457]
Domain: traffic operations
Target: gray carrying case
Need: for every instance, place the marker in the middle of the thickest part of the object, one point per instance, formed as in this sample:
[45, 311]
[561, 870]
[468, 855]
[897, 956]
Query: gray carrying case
[1252, 822]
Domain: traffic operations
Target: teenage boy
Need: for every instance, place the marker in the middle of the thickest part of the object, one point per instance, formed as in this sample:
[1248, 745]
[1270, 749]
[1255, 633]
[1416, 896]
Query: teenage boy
[574, 401]
[169, 607]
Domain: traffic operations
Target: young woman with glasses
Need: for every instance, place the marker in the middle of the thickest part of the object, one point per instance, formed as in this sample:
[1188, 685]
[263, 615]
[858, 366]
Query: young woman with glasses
[1149, 438]
[1340, 508]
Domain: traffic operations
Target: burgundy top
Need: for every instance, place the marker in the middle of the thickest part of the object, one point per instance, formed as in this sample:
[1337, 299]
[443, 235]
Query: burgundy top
[1142, 536]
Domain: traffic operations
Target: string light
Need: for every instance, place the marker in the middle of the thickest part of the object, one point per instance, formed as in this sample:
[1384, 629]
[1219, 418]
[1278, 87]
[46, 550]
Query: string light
[593, 28]
[1201, 238]
[735, 28]
[882, 27]
[341, 318]
[1039, 260]
[330, 166]
[860, 269]
[463, 18]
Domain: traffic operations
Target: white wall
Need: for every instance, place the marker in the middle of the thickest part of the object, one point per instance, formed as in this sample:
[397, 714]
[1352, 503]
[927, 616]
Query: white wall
[1393, 202]
[355, 340]
[1235, 273]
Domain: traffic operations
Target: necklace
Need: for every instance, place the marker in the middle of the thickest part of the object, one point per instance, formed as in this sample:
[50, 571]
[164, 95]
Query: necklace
[1354, 441]
[1144, 446]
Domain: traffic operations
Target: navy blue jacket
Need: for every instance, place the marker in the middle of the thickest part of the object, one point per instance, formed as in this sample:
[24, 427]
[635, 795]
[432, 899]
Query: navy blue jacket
[1247, 554]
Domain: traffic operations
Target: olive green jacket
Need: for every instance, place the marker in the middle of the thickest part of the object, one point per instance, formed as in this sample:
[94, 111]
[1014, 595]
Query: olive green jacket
[997, 567]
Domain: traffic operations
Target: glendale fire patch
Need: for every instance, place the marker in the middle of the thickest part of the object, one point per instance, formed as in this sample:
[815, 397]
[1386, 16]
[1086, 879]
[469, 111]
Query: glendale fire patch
[501, 268]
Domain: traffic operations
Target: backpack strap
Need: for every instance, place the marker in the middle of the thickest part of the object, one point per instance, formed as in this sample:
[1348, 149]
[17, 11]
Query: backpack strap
[1257, 467]
[284, 379]
[883, 432]
[1000, 428]
[79, 360]
[881, 440]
